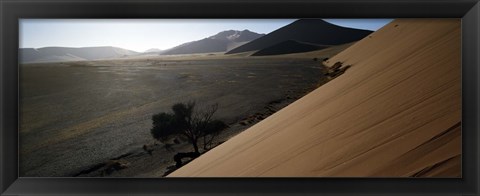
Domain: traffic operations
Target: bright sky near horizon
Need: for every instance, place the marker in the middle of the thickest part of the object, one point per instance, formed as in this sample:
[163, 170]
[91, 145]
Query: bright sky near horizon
[143, 34]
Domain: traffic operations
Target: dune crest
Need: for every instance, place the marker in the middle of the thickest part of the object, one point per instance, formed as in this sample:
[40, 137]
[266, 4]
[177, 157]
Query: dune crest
[312, 31]
[395, 113]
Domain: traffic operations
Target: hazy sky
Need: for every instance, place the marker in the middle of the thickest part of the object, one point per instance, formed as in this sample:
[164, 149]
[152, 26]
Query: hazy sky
[140, 35]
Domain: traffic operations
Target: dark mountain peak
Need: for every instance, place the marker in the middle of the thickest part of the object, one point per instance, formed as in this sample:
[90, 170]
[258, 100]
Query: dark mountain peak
[318, 22]
[310, 20]
[315, 31]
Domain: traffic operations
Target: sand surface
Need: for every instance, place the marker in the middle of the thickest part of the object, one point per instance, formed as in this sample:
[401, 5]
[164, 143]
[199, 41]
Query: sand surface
[395, 113]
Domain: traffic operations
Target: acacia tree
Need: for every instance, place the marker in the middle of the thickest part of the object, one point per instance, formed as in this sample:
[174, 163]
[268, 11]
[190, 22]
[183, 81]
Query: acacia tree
[212, 131]
[187, 121]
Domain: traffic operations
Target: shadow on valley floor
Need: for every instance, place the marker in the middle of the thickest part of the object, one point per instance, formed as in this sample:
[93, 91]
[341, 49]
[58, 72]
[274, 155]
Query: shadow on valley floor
[173, 150]
[111, 104]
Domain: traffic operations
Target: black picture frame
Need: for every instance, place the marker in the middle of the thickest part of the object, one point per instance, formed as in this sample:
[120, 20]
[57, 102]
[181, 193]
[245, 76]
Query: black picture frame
[12, 10]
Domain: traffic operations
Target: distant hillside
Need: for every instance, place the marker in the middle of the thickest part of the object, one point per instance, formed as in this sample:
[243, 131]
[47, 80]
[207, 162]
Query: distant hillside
[153, 50]
[314, 31]
[220, 42]
[59, 54]
[288, 47]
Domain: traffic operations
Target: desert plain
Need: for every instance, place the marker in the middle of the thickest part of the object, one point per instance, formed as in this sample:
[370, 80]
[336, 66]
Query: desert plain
[395, 112]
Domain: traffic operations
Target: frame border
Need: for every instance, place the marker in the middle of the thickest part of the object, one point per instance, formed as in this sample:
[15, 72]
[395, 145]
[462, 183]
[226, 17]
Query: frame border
[11, 11]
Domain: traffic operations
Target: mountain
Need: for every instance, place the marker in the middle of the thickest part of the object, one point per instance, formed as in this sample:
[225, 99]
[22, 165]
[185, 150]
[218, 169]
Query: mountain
[58, 54]
[313, 31]
[395, 113]
[220, 42]
[153, 50]
[236, 36]
[288, 47]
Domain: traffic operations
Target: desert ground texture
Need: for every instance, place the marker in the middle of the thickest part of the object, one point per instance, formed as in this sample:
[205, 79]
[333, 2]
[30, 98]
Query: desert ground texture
[396, 112]
[76, 115]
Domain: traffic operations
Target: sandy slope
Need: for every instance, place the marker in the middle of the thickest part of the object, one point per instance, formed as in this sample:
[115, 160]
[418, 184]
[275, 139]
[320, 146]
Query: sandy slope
[395, 112]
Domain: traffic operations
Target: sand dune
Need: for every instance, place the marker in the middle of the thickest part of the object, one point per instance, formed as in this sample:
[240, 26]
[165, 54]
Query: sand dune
[63, 54]
[289, 47]
[395, 112]
[313, 31]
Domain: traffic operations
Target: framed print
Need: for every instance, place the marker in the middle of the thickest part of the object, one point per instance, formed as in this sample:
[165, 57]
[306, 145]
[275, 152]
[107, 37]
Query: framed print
[250, 97]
